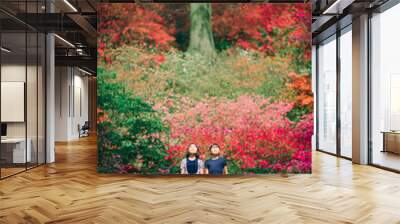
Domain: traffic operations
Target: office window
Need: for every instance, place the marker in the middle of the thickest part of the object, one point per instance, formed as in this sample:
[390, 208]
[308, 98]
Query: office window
[327, 95]
[346, 92]
[385, 88]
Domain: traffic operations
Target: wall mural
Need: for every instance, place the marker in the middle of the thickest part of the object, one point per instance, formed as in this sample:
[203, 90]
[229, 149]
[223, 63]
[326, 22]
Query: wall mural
[204, 88]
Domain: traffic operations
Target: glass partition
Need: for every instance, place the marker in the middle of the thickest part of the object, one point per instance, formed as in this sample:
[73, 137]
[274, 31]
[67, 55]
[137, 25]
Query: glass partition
[14, 153]
[22, 101]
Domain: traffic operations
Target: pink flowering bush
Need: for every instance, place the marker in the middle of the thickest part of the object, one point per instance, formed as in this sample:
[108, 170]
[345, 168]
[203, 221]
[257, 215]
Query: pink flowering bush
[254, 133]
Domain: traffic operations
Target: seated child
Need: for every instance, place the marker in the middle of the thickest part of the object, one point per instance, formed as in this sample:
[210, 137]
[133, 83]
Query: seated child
[217, 164]
[192, 164]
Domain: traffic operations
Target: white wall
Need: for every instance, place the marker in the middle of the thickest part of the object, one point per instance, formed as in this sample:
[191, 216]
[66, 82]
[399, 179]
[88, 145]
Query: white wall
[62, 81]
[16, 73]
[33, 127]
[80, 110]
[12, 73]
[71, 102]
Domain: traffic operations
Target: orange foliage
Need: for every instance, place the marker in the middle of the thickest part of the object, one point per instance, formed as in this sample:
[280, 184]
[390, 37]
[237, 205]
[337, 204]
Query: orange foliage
[302, 86]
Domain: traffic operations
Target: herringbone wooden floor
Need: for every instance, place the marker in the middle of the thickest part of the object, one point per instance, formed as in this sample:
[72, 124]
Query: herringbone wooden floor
[70, 191]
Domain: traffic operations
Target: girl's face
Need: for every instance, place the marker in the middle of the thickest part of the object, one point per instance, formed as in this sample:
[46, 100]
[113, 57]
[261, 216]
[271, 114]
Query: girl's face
[192, 149]
[215, 150]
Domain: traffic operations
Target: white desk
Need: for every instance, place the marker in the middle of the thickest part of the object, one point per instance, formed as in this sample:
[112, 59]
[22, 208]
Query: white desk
[18, 149]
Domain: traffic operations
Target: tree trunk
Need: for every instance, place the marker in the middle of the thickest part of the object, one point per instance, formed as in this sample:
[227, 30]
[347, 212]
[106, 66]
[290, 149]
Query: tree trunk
[201, 36]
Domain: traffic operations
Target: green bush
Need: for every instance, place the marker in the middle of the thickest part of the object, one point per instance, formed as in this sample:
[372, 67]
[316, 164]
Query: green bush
[129, 130]
[297, 113]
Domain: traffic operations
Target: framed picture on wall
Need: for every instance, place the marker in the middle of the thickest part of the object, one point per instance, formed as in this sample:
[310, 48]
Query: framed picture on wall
[201, 88]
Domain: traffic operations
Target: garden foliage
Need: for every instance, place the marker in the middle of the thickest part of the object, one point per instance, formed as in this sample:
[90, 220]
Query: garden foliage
[253, 97]
[129, 130]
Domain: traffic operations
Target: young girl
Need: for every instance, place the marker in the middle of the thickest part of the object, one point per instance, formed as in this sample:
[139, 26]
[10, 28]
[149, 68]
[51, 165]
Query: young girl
[192, 164]
[217, 164]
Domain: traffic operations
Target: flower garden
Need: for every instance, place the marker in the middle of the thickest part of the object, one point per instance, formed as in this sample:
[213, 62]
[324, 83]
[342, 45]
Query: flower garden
[250, 92]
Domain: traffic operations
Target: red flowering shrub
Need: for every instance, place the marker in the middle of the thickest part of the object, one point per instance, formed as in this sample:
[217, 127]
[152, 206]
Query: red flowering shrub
[269, 28]
[120, 24]
[133, 23]
[254, 134]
